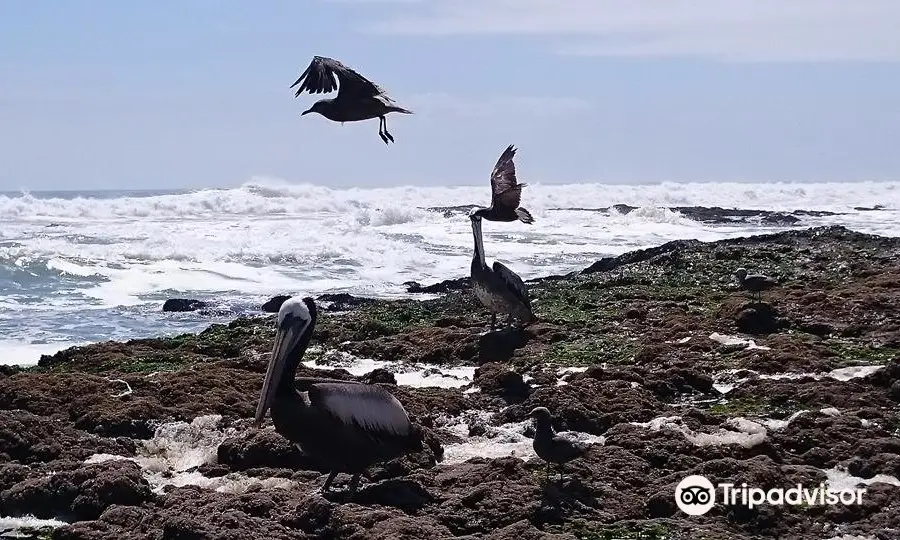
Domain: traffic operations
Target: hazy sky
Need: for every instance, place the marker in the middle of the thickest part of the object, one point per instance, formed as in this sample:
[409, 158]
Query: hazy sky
[194, 93]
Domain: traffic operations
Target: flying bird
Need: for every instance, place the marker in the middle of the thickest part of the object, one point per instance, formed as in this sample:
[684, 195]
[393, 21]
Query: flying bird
[755, 283]
[499, 289]
[550, 446]
[357, 99]
[347, 426]
[506, 192]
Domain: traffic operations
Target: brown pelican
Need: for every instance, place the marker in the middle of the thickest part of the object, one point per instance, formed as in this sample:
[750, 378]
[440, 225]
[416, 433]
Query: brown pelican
[755, 283]
[357, 99]
[505, 192]
[500, 289]
[551, 447]
[347, 426]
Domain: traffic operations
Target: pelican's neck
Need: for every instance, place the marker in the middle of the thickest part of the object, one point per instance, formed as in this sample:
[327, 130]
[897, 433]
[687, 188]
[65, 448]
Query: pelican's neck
[286, 384]
[479, 244]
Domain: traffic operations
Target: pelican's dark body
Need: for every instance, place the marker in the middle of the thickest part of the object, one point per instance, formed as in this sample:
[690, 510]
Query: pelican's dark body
[338, 446]
[344, 425]
[358, 98]
[499, 289]
[551, 447]
[506, 192]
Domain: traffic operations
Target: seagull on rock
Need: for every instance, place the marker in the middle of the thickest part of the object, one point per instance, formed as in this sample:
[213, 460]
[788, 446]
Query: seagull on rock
[553, 447]
[755, 283]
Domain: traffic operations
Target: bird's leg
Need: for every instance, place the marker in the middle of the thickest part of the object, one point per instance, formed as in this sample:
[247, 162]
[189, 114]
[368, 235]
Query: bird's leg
[328, 481]
[493, 321]
[547, 473]
[384, 120]
[354, 483]
[381, 131]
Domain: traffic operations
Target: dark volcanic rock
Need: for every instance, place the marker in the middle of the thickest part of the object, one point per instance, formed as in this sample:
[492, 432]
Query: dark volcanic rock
[83, 492]
[758, 319]
[496, 379]
[273, 304]
[445, 286]
[610, 263]
[343, 301]
[183, 304]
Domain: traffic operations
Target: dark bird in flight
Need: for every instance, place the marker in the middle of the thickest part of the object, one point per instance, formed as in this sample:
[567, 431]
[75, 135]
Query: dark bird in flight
[755, 283]
[506, 192]
[499, 289]
[550, 446]
[346, 426]
[357, 99]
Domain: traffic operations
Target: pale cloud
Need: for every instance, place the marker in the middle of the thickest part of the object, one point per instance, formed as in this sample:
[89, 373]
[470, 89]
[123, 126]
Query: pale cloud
[750, 30]
[438, 103]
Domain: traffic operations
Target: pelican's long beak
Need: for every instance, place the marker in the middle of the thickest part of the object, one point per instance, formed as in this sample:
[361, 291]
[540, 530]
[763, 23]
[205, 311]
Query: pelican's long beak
[285, 341]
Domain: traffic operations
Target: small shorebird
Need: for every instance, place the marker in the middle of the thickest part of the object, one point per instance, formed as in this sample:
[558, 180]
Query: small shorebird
[506, 192]
[755, 283]
[550, 446]
[357, 99]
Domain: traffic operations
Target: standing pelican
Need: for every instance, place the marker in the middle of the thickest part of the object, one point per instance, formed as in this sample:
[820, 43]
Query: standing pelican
[345, 425]
[506, 192]
[357, 99]
[500, 290]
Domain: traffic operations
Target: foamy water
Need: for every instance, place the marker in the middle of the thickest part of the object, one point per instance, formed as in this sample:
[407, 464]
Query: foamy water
[76, 269]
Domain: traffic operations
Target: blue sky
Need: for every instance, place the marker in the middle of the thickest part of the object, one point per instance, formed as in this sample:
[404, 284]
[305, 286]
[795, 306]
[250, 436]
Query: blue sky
[194, 93]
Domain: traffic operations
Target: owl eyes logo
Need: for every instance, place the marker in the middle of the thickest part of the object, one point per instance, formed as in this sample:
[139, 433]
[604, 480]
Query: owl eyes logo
[695, 495]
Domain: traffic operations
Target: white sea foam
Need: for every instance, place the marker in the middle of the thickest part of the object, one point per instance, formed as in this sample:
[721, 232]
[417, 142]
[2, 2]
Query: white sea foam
[726, 381]
[9, 526]
[406, 374]
[93, 268]
[741, 431]
[28, 354]
[841, 480]
[170, 458]
[497, 441]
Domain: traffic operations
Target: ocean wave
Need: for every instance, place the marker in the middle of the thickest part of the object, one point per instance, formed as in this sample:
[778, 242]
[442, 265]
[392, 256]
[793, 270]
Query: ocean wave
[266, 197]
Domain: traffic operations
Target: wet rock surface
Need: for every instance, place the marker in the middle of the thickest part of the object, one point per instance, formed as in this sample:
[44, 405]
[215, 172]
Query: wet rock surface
[656, 351]
[183, 304]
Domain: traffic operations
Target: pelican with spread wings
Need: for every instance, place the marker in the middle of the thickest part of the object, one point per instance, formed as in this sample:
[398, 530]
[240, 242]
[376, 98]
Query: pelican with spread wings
[506, 192]
[357, 99]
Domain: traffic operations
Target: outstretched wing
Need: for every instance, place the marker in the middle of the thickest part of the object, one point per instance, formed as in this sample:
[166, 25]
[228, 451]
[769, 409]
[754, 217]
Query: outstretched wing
[513, 281]
[505, 190]
[372, 408]
[323, 75]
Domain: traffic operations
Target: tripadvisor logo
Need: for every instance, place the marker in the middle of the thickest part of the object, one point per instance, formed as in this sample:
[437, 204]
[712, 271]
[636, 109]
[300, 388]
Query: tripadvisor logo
[695, 495]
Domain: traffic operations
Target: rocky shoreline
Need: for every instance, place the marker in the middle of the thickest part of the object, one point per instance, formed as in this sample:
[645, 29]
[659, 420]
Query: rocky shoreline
[653, 356]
